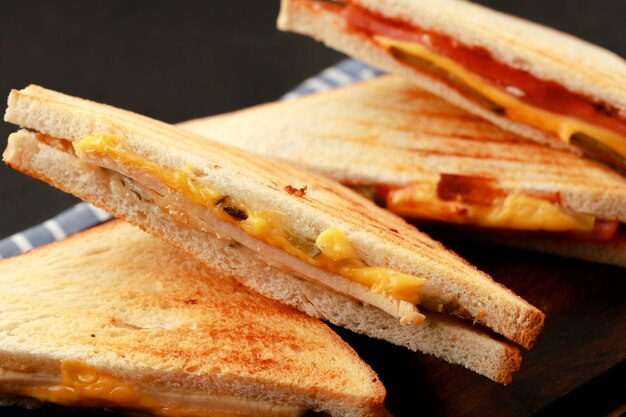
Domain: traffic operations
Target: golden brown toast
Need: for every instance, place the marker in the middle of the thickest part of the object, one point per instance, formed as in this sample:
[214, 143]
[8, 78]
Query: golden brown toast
[123, 304]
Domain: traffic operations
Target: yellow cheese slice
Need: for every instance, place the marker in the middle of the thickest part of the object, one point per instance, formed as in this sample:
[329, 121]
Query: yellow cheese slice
[340, 256]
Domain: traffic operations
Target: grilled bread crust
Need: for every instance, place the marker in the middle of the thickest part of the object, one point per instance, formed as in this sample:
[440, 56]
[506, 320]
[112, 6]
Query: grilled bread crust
[129, 305]
[389, 131]
[598, 73]
[379, 237]
[455, 342]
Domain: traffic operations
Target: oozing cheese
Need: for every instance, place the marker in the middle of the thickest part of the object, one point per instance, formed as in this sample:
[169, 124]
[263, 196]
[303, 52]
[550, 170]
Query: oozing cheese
[564, 127]
[264, 225]
[339, 256]
[520, 211]
[84, 386]
[514, 211]
[334, 244]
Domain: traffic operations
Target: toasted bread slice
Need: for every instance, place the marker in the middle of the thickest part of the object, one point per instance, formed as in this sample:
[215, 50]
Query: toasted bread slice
[598, 76]
[448, 339]
[162, 330]
[387, 133]
[280, 212]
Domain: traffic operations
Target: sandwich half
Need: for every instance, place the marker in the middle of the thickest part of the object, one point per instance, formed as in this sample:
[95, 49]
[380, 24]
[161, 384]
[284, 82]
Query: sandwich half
[433, 163]
[532, 80]
[114, 318]
[307, 233]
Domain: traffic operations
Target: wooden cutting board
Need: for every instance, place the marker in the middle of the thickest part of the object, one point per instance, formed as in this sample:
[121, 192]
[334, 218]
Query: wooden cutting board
[584, 336]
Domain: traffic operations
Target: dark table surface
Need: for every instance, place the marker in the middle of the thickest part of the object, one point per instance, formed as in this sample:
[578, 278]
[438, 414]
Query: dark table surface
[177, 60]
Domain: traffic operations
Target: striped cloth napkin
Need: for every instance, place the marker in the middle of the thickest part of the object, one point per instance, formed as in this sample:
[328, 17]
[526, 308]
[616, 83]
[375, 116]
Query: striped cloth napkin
[84, 215]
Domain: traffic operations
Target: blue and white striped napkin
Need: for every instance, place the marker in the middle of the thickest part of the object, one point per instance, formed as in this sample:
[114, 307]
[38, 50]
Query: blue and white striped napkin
[345, 72]
[84, 215]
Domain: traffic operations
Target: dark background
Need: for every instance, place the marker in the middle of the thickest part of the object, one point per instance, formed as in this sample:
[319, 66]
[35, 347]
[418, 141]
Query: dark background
[176, 60]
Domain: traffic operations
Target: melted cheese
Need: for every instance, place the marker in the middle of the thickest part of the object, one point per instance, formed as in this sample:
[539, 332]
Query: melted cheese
[264, 225]
[520, 211]
[339, 256]
[515, 211]
[335, 244]
[564, 127]
[84, 386]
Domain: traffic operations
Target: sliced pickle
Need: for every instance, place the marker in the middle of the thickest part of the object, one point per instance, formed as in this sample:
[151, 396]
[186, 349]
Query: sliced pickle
[370, 193]
[440, 306]
[439, 72]
[230, 208]
[599, 151]
[236, 213]
[305, 245]
[366, 191]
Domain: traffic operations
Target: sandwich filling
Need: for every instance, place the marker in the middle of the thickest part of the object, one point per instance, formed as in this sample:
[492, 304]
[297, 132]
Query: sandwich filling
[480, 202]
[331, 250]
[597, 127]
[83, 386]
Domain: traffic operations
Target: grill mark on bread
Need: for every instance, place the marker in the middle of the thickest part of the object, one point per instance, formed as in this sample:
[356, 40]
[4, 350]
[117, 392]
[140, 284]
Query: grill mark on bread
[485, 155]
[480, 138]
[524, 154]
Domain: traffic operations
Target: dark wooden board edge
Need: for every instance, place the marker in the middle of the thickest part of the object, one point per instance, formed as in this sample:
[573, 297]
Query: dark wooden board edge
[584, 337]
